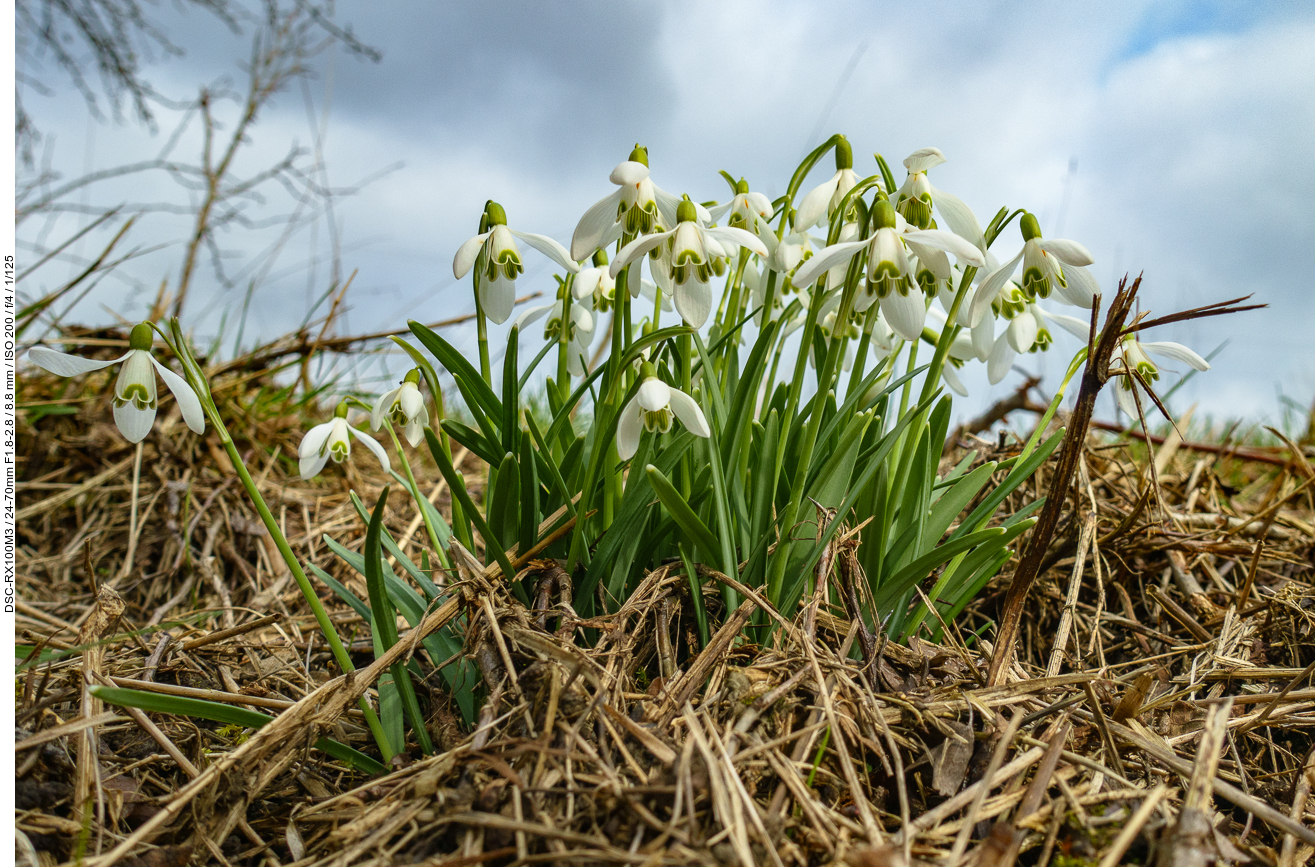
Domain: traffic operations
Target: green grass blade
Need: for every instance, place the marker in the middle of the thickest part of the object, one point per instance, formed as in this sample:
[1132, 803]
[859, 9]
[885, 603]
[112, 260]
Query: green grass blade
[227, 714]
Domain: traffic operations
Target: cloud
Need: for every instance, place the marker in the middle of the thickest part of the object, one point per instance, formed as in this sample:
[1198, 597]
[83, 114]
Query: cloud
[1188, 126]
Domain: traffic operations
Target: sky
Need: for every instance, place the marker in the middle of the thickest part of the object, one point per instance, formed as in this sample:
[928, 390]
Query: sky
[1172, 139]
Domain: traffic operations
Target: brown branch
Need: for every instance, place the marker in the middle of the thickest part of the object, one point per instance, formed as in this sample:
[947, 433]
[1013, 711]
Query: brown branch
[1094, 377]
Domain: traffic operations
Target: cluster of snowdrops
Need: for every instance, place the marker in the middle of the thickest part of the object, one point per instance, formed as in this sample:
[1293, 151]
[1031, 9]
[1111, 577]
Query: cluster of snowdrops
[801, 344]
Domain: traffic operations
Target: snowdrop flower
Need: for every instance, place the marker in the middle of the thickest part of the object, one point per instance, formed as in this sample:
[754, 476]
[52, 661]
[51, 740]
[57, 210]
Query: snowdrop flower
[638, 207]
[1026, 332]
[827, 324]
[823, 199]
[405, 406]
[690, 251]
[502, 261]
[1057, 265]
[749, 211]
[890, 275]
[595, 283]
[579, 333]
[134, 391]
[784, 256]
[333, 440]
[917, 196]
[652, 409]
[1131, 356]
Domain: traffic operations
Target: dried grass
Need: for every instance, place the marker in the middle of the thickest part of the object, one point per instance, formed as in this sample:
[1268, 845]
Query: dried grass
[1160, 705]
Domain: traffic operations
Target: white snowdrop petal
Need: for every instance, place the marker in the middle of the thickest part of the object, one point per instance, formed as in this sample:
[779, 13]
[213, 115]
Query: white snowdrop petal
[636, 248]
[628, 429]
[923, 159]
[188, 403]
[694, 302]
[825, 259]
[381, 407]
[689, 413]
[959, 217]
[654, 394]
[550, 248]
[1177, 352]
[739, 238]
[951, 377]
[905, 313]
[628, 172]
[1022, 332]
[1082, 288]
[467, 253]
[1071, 324]
[64, 364]
[1066, 251]
[594, 226]
[373, 445]
[310, 466]
[1002, 358]
[966, 253]
[812, 210]
[497, 297]
[313, 442]
[134, 423]
[991, 287]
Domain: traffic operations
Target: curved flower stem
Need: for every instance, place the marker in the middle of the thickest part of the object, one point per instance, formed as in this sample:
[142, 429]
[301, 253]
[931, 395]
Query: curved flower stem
[317, 607]
[418, 497]
[197, 379]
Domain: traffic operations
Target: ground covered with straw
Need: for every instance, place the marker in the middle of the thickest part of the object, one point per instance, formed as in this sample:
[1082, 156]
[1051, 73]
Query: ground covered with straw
[1161, 707]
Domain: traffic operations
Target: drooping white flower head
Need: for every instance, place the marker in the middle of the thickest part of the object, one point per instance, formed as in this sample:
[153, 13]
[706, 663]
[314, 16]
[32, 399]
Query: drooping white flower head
[406, 407]
[579, 332]
[500, 261]
[135, 396]
[333, 440]
[652, 409]
[822, 200]
[637, 207]
[748, 210]
[828, 327]
[1026, 331]
[917, 196]
[1131, 355]
[1057, 265]
[890, 276]
[690, 252]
